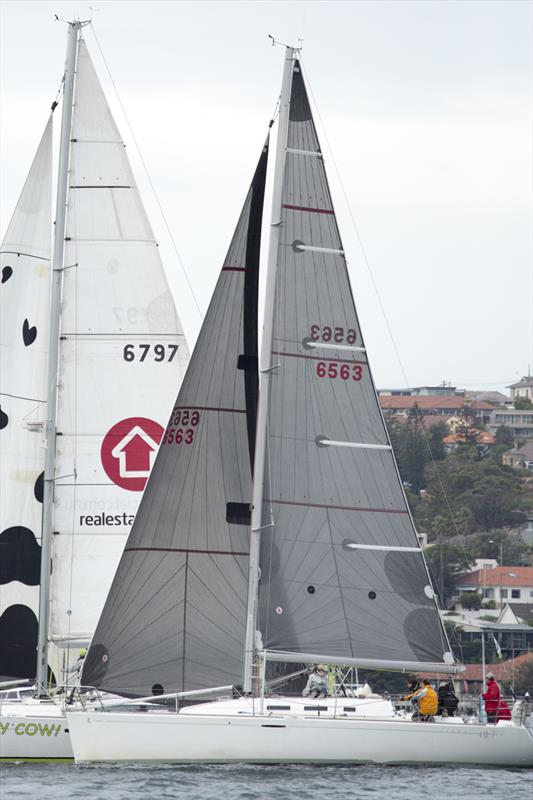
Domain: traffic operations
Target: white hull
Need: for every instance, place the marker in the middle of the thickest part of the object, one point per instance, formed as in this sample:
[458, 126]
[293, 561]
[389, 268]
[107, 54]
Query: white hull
[33, 730]
[149, 736]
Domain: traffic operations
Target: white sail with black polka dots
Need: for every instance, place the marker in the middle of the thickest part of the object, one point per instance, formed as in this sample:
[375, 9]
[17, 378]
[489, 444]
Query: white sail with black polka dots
[24, 330]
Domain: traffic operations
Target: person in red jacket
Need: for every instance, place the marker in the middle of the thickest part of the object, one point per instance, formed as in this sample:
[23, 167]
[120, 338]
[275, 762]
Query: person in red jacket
[495, 707]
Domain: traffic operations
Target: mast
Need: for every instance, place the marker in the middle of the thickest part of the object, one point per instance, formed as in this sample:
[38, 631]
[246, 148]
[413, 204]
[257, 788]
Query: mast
[266, 371]
[53, 363]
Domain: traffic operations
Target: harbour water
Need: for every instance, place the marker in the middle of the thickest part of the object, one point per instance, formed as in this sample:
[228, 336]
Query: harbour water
[249, 781]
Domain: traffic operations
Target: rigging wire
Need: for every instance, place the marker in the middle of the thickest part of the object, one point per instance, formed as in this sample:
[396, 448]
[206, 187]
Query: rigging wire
[158, 202]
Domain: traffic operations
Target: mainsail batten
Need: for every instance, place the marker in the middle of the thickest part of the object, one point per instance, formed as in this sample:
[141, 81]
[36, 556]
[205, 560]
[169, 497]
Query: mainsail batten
[175, 615]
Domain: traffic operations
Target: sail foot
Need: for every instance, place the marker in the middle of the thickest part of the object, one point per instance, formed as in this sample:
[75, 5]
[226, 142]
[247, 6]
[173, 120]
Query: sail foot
[365, 663]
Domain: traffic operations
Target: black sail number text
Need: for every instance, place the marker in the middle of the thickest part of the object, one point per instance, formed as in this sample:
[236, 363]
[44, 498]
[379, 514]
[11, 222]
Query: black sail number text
[149, 352]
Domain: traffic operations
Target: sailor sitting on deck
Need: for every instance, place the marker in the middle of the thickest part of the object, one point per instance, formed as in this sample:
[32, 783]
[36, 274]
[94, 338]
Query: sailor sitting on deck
[427, 700]
[316, 683]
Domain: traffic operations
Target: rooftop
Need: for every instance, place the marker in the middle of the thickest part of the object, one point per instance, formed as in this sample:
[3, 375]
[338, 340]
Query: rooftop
[497, 576]
[483, 437]
[527, 380]
[502, 670]
[431, 401]
[496, 398]
[526, 451]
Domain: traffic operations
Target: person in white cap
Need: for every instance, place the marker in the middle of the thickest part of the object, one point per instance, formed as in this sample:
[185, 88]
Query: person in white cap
[317, 683]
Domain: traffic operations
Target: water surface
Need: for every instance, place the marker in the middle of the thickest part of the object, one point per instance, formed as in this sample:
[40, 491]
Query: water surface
[248, 782]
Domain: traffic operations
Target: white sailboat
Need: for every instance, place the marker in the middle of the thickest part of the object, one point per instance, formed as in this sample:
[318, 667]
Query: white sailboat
[91, 352]
[312, 556]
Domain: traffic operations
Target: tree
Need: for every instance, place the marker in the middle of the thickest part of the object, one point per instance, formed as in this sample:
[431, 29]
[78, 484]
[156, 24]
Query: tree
[522, 403]
[504, 435]
[472, 650]
[410, 448]
[470, 600]
[523, 681]
[381, 681]
[445, 562]
[492, 493]
[510, 548]
[434, 438]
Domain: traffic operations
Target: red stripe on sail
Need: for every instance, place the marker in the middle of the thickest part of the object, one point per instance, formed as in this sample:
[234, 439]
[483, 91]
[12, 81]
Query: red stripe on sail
[311, 210]
[210, 408]
[317, 358]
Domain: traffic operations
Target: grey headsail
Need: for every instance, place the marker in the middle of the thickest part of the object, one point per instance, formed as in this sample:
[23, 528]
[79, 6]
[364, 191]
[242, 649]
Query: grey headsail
[175, 616]
[341, 573]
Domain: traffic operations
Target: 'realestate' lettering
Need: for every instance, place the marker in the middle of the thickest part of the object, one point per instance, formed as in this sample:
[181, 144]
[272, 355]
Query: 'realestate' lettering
[107, 520]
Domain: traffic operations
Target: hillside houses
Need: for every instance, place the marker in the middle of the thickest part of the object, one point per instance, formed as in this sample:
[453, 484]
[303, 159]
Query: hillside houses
[501, 584]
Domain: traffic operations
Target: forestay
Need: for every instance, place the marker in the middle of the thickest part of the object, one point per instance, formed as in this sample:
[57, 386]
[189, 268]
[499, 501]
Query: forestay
[175, 617]
[342, 574]
[122, 355]
[24, 332]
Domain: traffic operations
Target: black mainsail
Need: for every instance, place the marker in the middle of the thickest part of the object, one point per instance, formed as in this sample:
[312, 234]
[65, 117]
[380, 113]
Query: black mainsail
[174, 619]
[341, 571]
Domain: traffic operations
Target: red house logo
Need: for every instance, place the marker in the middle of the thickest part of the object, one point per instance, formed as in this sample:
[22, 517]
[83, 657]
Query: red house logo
[128, 451]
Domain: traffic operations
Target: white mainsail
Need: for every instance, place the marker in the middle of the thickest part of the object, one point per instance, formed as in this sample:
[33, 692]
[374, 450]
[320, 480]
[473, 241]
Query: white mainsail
[122, 355]
[24, 327]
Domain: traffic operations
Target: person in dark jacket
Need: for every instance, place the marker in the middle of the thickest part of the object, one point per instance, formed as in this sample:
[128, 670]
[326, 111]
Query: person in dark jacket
[448, 701]
[413, 685]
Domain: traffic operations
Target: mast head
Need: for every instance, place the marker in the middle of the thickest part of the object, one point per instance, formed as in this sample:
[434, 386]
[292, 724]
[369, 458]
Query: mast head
[290, 47]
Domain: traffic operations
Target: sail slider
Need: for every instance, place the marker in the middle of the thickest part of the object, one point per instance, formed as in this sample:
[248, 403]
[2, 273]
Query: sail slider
[323, 441]
[295, 151]
[310, 344]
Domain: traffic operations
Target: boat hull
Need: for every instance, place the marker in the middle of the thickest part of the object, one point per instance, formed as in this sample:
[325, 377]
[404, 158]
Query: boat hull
[151, 736]
[33, 731]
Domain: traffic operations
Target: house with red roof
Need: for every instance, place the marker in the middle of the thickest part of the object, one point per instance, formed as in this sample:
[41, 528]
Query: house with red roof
[434, 405]
[501, 584]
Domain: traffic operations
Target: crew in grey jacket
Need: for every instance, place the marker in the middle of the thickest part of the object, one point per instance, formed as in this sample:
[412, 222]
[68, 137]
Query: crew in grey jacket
[317, 683]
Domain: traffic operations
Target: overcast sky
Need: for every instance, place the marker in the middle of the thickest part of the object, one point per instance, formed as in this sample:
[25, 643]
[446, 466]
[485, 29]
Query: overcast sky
[427, 109]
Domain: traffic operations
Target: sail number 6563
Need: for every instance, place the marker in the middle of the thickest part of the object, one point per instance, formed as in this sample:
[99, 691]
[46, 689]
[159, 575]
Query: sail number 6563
[332, 370]
[326, 333]
[188, 420]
